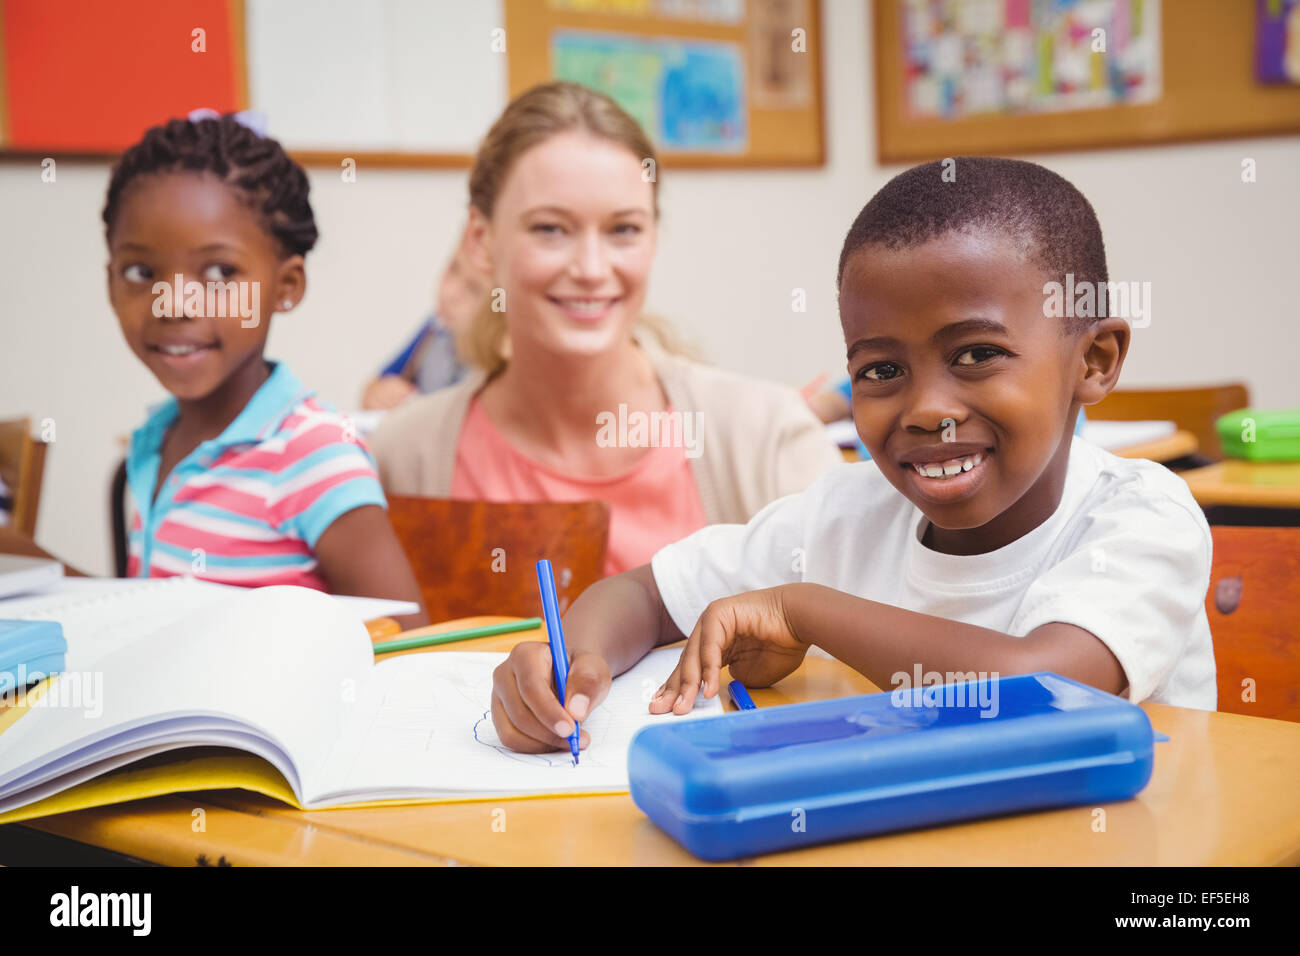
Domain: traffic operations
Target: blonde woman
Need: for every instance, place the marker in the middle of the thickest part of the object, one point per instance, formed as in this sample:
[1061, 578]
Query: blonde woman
[563, 217]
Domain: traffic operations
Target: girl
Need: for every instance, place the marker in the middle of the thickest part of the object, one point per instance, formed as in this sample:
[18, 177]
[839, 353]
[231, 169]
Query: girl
[242, 477]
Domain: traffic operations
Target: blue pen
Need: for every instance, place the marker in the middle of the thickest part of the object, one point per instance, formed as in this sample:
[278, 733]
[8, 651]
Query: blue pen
[559, 657]
[740, 696]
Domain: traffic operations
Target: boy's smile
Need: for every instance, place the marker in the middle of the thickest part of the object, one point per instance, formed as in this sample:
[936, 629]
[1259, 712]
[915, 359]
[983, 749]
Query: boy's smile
[964, 392]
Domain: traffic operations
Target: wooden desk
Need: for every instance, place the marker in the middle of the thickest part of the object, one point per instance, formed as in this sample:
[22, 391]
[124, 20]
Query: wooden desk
[1251, 484]
[1223, 793]
[1178, 445]
[13, 541]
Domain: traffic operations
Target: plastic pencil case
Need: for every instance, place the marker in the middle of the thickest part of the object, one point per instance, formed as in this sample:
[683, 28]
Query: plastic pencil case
[1260, 436]
[777, 778]
[29, 651]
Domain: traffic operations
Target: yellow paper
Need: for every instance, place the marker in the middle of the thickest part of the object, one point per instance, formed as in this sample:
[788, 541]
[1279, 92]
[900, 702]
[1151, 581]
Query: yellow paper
[233, 772]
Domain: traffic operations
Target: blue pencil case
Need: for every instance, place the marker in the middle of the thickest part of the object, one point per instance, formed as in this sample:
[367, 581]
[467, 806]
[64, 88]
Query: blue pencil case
[777, 778]
[29, 651]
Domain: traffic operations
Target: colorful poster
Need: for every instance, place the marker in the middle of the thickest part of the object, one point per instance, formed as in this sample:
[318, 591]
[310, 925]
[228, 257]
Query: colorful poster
[1277, 41]
[688, 96]
[713, 11]
[970, 57]
[782, 65]
[630, 8]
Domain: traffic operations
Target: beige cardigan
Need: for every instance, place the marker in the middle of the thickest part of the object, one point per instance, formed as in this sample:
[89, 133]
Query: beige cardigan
[758, 440]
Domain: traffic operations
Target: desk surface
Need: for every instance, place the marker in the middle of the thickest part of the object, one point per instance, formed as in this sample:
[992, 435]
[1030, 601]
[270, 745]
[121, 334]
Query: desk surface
[1223, 793]
[1178, 445]
[1254, 484]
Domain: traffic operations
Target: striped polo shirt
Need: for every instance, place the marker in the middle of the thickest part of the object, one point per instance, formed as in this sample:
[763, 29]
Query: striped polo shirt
[247, 507]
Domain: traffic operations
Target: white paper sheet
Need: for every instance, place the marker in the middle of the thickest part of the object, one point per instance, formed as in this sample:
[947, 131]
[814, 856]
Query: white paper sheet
[423, 724]
[100, 615]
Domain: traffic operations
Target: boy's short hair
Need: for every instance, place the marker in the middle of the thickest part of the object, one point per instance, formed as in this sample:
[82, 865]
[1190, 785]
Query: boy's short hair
[1040, 211]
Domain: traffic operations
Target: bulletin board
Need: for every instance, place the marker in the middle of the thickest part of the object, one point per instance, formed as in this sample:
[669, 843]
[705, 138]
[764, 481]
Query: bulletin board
[381, 83]
[413, 83]
[715, 83]
[1207, 89]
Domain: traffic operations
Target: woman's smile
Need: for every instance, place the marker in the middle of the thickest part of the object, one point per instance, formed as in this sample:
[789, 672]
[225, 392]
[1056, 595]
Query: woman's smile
[587, 310]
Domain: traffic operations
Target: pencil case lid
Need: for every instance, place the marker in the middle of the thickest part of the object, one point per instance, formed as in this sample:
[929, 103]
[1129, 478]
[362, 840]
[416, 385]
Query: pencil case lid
[920, 741]
[29, 651]
[1260, 435]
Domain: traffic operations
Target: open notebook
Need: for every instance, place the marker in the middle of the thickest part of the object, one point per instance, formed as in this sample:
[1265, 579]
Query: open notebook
[287, 675]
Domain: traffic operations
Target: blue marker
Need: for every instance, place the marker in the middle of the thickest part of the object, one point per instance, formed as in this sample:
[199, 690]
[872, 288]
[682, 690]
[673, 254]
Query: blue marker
[559, 657]
[740, 696]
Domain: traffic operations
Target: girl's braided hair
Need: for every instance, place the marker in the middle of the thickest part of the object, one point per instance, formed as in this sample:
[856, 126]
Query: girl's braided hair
[271, 182]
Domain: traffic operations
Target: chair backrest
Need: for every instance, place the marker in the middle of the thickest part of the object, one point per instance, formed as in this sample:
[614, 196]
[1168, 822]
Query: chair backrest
[477, 557]
[1253, 604]
[117, 515]
[1193, 409]
[22, 466]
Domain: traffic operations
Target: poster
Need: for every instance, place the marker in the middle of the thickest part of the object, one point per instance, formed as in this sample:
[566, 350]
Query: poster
[706, 11]
[971, 57]
[782, 74]
[688, 96]
[1277, 41]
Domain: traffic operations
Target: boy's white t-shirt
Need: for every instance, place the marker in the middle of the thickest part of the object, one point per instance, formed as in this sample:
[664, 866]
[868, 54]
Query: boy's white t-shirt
[1126, 556]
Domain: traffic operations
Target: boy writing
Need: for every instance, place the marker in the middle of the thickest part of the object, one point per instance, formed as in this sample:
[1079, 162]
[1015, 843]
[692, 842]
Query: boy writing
[982, 536]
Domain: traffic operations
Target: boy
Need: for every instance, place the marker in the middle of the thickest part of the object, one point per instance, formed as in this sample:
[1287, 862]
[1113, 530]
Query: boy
[981, 537]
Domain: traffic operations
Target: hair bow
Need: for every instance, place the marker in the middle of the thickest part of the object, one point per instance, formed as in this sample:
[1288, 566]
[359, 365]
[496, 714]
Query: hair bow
[251, 119]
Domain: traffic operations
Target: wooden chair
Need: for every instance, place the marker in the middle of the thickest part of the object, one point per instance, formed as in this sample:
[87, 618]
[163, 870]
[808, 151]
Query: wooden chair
[1253, 605]
[1192, 409]
[476, 557]
[22, 466]
[117, 516]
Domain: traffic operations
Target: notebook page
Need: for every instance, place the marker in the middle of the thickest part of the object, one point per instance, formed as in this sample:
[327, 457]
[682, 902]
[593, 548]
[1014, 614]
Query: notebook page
[101, 615]
[276, 660]
[422, 727]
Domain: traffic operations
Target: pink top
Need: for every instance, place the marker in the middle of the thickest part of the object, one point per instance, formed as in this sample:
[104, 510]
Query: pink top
[652, 504]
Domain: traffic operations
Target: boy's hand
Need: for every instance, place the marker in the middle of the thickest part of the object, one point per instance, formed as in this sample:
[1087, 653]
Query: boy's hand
[525, 710]
[750, 632]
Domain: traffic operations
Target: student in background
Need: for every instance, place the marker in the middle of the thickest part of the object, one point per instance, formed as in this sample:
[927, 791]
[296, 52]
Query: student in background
[242, 476]
[588, 405]
[980, 537]
[432, 360]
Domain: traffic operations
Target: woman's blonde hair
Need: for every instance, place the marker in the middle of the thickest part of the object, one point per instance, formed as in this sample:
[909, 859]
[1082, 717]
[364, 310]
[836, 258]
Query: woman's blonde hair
[529, 120]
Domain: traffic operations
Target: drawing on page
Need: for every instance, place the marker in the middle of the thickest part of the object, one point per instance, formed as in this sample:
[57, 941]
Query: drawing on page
[597, 725]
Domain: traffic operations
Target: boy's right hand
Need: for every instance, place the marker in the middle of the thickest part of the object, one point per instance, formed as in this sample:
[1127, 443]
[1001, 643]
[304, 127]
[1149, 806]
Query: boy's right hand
[527, 715]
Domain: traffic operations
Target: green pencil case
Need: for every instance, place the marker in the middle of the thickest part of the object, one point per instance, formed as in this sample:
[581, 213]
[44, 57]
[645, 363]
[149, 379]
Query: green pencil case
[1261, 436]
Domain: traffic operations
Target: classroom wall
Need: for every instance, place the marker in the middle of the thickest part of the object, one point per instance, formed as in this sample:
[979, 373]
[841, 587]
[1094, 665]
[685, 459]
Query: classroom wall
[1220, 256]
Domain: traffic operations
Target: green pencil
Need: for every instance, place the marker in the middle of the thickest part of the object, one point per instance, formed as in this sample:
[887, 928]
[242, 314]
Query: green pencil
[404, 643]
